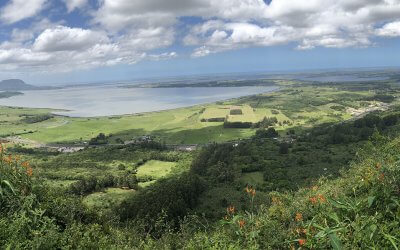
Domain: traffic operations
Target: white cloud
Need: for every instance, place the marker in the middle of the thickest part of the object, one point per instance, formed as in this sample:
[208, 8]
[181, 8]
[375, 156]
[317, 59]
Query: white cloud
[64, 38]
[62, 48]
[310, 24]
[390, 29]
[74, 4]
[127, 31]
[17, 10]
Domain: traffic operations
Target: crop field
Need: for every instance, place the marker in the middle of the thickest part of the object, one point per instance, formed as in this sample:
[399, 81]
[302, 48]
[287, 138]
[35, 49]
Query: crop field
[215, 111]
[247, 115]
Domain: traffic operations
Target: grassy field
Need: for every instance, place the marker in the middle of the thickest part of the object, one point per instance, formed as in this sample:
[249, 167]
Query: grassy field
[293, 106]
[106, 199]
[155, 169]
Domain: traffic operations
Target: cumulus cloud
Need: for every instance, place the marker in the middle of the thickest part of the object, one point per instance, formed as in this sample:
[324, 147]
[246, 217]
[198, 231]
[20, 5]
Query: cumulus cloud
[62, 48]
[127, 31]
[17, 10]
[390, 29]
[310, 24]
[64, 38]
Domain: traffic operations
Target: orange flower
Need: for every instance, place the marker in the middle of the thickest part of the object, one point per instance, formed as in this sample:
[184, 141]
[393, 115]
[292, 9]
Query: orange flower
[242, 223]
[230, 210]
[321, 198]
[29, 171]
[275, 200]
[251, 191]
[299, 217]
[313, 200]
[8, 159]
[301, 230]
[25, 164]
[302, 242]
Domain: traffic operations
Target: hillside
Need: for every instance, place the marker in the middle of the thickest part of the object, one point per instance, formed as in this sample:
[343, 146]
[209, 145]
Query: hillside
[15, 85]
[308, 175]
[201, 201]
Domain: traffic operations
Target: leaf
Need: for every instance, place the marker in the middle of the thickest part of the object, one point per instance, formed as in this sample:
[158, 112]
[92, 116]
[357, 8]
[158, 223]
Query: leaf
[335, 242]
[371, 200]
[391, 239]
[334, 217]
[338, 204]
[373, 228]
[7, 184]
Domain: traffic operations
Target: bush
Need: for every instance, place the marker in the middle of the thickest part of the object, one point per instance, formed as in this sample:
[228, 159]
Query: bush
[99, 140]
[236, 112]
[177, 196]
[266, 133]
[237, 124]
[15, 180]
[36, 118]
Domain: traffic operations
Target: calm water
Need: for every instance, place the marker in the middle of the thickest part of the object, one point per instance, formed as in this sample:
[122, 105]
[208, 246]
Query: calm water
[112, 100]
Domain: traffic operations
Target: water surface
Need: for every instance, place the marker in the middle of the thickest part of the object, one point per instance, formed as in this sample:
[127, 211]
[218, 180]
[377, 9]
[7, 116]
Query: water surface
[111, 100]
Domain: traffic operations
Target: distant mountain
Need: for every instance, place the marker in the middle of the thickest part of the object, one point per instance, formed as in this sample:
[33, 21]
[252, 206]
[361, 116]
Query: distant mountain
[15, 85]
[19, 85]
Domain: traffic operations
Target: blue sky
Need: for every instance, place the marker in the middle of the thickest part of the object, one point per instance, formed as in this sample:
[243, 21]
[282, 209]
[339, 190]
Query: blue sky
[70, 41]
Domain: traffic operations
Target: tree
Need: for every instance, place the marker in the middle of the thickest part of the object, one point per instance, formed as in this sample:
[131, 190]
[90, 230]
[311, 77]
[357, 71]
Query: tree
[269, 133]
[284, 148]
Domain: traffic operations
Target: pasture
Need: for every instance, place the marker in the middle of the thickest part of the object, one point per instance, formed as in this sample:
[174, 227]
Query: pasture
[155, 169]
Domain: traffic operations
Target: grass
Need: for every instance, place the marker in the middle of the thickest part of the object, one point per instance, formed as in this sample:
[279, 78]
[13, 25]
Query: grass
[106, 199]
[215, 111]
[247, 115]
[155, 169]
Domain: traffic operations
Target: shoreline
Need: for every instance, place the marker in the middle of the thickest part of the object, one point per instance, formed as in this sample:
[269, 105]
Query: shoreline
[275, 88]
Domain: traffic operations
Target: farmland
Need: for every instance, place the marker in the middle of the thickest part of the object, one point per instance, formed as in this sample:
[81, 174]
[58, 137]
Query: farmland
[294, 106]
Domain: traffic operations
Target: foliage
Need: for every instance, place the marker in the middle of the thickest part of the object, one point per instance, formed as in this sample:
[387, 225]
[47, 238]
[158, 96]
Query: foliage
[36, 118]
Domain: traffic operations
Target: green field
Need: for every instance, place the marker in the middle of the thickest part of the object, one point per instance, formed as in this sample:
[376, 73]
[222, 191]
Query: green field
[106, 199]
[155, 169]
[293, 106]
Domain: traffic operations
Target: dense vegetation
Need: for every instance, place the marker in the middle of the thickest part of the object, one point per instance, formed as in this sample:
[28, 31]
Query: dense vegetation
[299, 180]
[359, 209]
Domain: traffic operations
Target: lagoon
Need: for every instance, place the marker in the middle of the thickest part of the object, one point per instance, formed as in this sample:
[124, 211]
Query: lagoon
[108, 100]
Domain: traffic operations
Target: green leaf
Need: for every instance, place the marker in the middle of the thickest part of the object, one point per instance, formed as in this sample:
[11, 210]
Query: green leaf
[391, 239]
[373, 228]
[7, 184]
[334, 217]
[371, 200]
[335, 242]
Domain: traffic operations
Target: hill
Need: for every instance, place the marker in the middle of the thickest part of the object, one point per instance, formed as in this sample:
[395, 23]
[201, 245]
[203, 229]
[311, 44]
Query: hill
[15, 85]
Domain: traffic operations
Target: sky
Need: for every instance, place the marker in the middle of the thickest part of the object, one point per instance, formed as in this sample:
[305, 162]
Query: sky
[73, 41]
